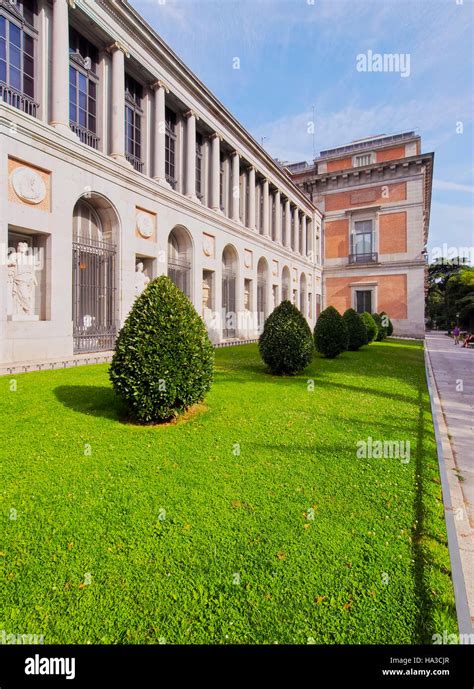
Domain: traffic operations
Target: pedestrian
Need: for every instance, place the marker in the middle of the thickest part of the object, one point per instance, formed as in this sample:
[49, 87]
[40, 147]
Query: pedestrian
[456, 333]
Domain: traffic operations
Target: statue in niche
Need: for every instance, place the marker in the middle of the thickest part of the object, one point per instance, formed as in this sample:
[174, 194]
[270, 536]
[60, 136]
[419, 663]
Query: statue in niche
[141, 278]
[22, 282]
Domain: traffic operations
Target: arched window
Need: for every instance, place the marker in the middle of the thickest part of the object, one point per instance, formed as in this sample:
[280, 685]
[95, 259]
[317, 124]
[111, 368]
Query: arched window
[179, 264]
[94, 276]
[86, 224]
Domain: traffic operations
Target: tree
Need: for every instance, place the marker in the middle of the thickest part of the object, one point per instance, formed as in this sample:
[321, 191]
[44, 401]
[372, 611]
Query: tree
[387, 323]
[439, 308]
[356, 330]
[370, 326]
[286, 343]
[330, 334]
[382, 326]
[163, 360]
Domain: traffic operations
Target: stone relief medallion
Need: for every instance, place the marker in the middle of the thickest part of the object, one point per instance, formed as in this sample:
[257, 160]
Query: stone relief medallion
[28, 185]
[145, 225]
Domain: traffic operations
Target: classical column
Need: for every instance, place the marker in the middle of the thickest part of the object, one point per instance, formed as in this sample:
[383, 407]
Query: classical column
[296, 228]
[118, 101]
[159, 126]
[215, 172]
[277, 205]
[190, 179]
[266, 209]
[251, 208]
[60, 67]
[287, 223]
[235, 186]
[303, 247]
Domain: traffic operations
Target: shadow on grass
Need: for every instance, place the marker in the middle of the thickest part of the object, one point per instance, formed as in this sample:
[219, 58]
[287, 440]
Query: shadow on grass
[93, 400]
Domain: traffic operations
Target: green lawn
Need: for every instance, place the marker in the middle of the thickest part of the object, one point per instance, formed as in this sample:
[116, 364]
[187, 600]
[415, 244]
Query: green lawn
[144, 535]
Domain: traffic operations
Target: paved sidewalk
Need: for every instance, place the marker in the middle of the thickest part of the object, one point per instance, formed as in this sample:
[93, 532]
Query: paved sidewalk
[453, 370]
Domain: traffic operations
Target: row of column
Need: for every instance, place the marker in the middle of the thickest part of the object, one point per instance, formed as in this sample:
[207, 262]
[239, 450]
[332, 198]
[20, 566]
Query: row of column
[60, 119]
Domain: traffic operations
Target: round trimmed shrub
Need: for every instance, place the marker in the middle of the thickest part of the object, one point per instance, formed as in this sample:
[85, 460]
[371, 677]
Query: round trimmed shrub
[163, 360]
[370, 326]
[381, 328]
[356, 330]
[389, 325]
[286, 343]
[330, 333]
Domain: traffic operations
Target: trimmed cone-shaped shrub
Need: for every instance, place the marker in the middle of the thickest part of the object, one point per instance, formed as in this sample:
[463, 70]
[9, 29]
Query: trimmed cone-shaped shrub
[330, 333]
[370, 326]
[381, 327]
[286, 343]
[163, 360]
[388, 323]
[356, 330]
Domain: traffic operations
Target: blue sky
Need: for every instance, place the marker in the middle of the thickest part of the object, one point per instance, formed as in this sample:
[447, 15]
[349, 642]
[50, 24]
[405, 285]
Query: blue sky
[296, 54]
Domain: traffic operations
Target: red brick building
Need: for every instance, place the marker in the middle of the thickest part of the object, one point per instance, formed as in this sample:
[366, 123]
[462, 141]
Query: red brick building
[375, 196]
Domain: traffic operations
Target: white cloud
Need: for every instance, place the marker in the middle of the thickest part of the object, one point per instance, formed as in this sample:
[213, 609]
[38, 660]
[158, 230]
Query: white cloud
[452, 186]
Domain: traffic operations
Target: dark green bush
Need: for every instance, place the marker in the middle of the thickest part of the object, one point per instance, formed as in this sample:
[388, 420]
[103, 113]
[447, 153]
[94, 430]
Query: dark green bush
[356, 330]
[163, 360]
[286, 344]
[330, 334]
[382, 329]
[370, 326]
[388, 323]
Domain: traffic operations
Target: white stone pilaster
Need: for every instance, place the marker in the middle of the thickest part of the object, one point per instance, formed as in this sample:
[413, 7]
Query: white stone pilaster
[190, 180]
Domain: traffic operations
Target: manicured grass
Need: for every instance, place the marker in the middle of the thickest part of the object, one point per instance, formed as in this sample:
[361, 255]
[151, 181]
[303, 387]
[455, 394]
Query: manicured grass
[185, 539]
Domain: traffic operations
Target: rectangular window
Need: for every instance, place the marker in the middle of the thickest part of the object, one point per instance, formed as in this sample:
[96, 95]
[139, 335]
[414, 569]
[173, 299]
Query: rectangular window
[364, 301]
[83, 59]
[170, 147]
[133, 122]
[365, 159]
[17, 59]
[362, 239]
[199, 185]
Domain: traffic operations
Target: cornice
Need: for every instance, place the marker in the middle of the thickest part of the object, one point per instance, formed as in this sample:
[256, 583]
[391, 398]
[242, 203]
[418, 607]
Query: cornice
[369, 170]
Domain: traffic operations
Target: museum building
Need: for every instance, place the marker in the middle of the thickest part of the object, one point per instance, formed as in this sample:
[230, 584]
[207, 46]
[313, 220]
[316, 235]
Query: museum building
[118, 165]
[375, 196]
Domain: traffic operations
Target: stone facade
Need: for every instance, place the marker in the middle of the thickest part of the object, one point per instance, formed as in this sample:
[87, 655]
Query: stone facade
[117, 165]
